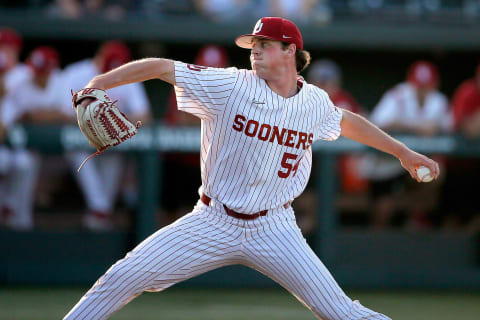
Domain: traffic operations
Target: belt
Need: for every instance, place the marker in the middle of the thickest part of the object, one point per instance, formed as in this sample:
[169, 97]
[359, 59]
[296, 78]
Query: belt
[206, 200]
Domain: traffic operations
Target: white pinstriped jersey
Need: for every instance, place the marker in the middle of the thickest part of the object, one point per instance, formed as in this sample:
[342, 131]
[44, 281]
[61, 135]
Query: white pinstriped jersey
[256, 145]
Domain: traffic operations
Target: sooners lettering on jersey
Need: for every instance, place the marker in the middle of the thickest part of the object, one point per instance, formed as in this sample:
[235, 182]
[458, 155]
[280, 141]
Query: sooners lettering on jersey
[256, 145]
[267, 132]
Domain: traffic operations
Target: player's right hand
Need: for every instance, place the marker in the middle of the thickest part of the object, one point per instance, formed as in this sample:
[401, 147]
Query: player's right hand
[412, 160]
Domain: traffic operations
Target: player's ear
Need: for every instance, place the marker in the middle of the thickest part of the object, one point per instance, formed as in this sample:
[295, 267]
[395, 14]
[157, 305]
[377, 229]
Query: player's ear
[291, 49]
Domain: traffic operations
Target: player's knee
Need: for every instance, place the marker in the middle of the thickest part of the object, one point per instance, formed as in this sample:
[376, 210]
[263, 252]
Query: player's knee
[126, 273]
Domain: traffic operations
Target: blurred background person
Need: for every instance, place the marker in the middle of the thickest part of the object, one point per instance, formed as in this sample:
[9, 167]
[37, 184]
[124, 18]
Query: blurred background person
[317, 11]
[180, 172]
[41, 103]
[75, 9]
[459, 200]
[413, 107]
[101, 177]
[41, 98]
[326, 74]
[226, 10]
[17, 168]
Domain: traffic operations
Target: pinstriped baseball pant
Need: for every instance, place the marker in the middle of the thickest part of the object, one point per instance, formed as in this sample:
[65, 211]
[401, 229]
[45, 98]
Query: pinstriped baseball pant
[207, 239]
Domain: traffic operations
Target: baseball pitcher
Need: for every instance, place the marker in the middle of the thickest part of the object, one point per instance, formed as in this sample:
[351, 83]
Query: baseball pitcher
[258, 127]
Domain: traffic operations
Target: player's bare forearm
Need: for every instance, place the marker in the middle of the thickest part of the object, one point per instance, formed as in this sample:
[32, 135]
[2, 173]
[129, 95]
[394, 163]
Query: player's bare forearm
[136, 71]
[358, 128]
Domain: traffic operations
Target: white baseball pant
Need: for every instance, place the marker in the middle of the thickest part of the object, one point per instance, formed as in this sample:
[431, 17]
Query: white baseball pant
[206, 239]
[99, 179]
[19, 170]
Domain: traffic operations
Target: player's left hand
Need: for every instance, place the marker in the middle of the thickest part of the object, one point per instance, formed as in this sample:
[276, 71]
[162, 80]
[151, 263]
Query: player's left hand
[412, 160]
[100, 120]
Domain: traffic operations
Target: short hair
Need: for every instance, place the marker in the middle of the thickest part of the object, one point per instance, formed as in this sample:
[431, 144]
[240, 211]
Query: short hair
[302, 57]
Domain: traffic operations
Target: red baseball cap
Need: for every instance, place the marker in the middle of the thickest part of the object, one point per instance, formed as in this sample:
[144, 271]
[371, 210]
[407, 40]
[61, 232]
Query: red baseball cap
[423, 74]
[11, 38]
[114, 54]
[273, 28]
[212, 56]
[43, 60]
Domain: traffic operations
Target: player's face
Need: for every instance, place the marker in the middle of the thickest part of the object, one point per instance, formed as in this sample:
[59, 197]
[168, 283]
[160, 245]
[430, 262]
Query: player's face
[8, 56]
[266, 56]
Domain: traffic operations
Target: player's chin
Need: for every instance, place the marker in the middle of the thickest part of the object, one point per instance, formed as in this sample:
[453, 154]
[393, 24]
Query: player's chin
[255, 64]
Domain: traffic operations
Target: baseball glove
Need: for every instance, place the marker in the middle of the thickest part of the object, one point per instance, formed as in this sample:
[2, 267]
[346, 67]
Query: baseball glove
[100, 120]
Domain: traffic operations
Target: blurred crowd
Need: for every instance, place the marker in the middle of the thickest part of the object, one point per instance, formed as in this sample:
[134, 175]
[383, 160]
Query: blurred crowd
[306, 11]
[37, 91]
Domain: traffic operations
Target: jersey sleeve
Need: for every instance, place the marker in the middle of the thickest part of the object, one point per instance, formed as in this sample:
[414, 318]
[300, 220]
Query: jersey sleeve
[203, 91]
[331, 117]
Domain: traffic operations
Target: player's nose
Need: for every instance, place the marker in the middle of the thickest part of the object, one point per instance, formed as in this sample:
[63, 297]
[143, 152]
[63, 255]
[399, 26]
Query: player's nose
[255, 49]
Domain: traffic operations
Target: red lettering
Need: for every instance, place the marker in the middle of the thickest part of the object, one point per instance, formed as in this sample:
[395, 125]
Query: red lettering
[238, 122]
[267, 134]
[302, 138]
[310, 139]
[295, 168]
[255, 129]
[87, 91]
[194, 67]
[278, 135]
[290, 136]
[286, 164]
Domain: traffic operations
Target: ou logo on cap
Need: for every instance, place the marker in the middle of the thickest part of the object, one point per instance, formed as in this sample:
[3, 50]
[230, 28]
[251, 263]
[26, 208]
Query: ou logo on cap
[258, 26]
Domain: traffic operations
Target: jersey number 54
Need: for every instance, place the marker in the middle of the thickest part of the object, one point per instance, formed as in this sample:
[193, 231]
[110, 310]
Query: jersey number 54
[288, 164]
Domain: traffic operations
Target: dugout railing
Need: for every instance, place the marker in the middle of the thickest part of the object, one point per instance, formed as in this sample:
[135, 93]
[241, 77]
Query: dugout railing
[359, 258]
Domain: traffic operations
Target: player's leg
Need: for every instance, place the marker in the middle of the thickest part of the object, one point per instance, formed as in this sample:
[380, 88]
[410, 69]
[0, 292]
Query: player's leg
[278, 250]
[194, 244]
[110, 168]
[89, 181]
[5, 198]
[23, 177]
[97, 217]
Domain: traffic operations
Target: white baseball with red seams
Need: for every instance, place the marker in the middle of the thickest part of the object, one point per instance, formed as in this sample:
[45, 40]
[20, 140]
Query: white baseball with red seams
[255, 155]
[424, 174]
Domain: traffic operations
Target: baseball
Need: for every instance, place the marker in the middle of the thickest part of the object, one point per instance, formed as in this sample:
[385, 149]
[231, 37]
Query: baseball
[424, 174]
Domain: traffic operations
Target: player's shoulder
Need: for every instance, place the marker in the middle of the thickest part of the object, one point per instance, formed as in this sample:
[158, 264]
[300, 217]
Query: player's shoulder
[314, 91]
[402, 89]
[199, 69]
[18, 74]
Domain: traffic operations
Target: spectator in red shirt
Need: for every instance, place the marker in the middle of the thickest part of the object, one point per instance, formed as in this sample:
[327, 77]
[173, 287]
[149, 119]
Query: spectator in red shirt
[466, 107]
[461, 186]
